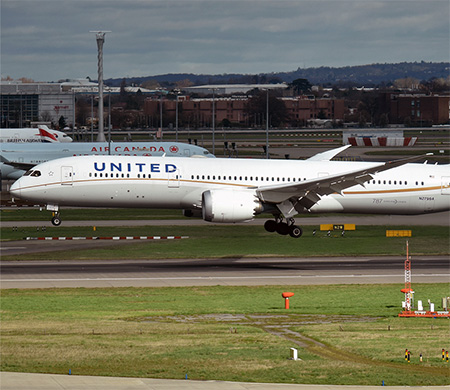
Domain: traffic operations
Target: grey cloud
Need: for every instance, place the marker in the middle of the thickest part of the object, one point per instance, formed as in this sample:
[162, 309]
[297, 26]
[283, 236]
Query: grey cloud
[50, 39]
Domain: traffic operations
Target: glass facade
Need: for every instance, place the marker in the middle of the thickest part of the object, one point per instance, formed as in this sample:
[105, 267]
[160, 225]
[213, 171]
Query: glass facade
[19, 110]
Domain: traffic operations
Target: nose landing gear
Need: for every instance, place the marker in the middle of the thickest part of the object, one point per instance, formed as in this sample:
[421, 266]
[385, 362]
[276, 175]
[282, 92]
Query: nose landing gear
[283, 228]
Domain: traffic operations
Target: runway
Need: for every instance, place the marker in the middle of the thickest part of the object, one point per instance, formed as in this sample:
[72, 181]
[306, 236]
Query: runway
[225, 272]
[431, 219]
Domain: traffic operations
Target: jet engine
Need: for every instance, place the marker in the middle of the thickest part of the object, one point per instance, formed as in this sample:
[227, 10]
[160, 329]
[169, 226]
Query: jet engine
[230, 205]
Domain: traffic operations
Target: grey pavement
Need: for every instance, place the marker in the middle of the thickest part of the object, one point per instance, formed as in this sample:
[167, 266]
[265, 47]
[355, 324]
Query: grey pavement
[432, 219]
[23, 381]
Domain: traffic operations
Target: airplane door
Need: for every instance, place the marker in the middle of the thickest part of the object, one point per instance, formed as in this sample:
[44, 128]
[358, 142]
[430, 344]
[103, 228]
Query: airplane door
[187, 153]
[445, 185]
[174, 179]
[66, 176]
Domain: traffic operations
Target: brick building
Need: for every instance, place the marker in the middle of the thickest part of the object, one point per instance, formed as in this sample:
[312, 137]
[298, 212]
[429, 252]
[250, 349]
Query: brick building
[198, 112]
[301, 109]
[417, 109]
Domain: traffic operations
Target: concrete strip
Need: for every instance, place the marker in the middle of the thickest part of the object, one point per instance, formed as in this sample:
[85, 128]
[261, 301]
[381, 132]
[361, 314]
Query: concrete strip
[24, 381]
[432, 219]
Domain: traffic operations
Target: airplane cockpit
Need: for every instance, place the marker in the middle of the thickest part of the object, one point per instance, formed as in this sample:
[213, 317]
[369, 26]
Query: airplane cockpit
[33, 173]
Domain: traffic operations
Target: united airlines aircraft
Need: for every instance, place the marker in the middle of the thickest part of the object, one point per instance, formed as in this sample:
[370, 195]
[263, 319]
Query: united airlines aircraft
[236, 190]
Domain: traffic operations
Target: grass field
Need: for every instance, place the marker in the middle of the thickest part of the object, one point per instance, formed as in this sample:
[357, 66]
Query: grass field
[217, 241]
[347, 334]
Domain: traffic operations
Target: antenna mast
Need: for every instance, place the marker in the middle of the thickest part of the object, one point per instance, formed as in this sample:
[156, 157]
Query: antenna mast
[408, 290]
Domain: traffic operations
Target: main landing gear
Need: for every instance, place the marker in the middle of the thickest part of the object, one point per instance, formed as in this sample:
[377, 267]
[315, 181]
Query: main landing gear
[56, 220]
[283, 228]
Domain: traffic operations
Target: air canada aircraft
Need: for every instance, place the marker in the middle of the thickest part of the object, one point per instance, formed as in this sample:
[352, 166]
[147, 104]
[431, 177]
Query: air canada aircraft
[236, 190]
[17, 158]
[39, 134]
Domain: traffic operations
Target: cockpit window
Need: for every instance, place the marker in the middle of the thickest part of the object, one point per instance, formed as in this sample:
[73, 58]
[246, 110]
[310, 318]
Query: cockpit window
[35, 173]
[28, 173]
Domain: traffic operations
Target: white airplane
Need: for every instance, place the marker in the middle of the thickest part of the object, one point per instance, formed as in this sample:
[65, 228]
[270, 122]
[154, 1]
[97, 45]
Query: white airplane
[236, 190]
[16, 159]
[39, 134]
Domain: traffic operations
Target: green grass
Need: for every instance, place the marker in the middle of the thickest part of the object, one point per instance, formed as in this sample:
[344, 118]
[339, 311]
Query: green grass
[171, 332]
[216, 241]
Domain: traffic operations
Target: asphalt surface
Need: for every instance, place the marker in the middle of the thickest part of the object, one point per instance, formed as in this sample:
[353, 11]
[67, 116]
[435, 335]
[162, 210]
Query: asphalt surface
[432, 219]
[227, 272]
[19, 381]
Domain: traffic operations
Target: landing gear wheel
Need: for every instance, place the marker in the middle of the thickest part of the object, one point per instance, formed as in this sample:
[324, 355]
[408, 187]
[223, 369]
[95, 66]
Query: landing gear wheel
[283, 228]
[270, 225]
[56, 221]
[296, 231]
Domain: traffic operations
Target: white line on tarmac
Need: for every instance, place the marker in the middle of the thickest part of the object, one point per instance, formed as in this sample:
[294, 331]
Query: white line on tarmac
[219, 278]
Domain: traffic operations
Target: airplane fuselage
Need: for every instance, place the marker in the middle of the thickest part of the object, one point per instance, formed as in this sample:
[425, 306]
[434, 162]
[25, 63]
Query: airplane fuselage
[236, 187]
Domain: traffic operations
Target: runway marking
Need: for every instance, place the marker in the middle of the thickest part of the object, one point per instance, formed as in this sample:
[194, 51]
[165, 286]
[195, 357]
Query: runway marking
[219, 278]
[12, 247]
[108, 238]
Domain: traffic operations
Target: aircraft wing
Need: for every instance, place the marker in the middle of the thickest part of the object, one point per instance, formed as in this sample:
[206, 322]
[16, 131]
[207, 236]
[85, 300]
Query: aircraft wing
[328, 155]
[305, 194]
[17, 165]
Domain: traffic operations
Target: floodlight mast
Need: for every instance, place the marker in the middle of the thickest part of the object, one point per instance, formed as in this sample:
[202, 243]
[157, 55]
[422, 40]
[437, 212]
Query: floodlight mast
[100, 35]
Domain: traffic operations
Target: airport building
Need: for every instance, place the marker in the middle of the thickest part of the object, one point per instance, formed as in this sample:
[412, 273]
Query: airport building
[24, 103]
[199, 111]
[417, 109]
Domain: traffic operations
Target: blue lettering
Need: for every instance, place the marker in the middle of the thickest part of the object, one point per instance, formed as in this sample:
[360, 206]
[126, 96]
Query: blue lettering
[129, 167]
[118, 167]
[170, 168]
[99, 169]
[154, 168]
[140, 165]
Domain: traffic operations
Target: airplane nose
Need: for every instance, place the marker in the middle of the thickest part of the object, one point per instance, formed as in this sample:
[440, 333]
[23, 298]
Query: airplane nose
[15, 189]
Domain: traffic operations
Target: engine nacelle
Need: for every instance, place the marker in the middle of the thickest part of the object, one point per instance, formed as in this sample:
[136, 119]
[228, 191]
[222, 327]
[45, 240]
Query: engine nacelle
[230, 205]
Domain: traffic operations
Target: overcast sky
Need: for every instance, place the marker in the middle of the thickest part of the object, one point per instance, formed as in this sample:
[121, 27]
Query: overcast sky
[48, 40]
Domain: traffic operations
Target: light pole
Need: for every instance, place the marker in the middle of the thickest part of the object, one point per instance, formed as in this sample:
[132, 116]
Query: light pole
[267, 124]
[100, 36]
[214, 122]
[176, 120]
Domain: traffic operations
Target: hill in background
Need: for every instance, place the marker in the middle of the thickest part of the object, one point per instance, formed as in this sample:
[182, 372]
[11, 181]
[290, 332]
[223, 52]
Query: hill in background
[362, 75]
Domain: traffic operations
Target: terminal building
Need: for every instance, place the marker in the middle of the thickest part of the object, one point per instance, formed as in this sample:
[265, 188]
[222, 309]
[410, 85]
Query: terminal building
[24, 103]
